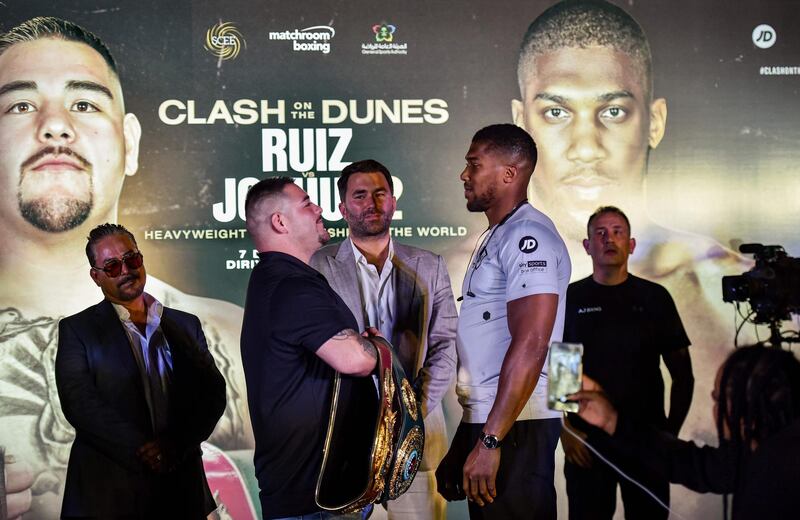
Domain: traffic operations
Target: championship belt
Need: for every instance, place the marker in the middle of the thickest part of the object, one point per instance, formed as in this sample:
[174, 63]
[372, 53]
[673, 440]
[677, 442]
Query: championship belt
[374, 443]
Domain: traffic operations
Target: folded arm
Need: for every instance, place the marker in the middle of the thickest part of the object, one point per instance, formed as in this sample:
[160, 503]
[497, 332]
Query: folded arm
[198, 386]
[348, 352]
[95, 421]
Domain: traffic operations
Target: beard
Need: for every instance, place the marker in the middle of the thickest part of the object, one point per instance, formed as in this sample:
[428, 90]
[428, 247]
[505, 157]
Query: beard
[360, 227]
[59, 212]
[127, 294]
[482, 202]
[323, 236]
[55, 215]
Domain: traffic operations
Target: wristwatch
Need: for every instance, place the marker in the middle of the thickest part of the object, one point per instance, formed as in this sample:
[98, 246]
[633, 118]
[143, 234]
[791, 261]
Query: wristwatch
[490, 442]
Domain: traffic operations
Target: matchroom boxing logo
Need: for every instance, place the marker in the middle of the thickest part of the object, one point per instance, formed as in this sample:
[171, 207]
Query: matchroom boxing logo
[224, 41]
[311, 39]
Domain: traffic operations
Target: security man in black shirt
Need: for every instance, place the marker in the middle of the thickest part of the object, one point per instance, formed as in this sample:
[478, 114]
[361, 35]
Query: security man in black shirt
[626, 324]
[296, 333]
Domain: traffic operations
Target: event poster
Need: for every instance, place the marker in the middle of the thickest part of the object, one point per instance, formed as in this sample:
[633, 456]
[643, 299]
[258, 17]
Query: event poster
[231, 92]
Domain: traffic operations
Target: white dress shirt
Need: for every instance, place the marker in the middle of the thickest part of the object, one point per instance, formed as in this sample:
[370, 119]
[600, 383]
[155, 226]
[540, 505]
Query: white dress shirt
[377, 291]
[162, 357]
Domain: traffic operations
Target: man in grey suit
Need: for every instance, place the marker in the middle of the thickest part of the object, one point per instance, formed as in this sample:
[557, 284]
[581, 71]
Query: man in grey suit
[405, 293]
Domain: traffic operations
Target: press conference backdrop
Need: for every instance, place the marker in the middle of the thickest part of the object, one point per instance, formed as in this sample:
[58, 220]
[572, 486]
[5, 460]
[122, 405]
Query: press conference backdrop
[231, 92]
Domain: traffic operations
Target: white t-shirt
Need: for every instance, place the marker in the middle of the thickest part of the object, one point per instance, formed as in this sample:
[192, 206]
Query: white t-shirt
[521, 256]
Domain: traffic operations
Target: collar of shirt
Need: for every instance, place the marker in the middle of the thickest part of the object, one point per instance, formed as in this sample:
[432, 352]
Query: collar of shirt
[154, 311]
[362, 264]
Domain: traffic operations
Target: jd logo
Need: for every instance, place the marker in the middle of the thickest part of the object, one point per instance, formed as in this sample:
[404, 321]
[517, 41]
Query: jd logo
[528, 244]
[764, 36]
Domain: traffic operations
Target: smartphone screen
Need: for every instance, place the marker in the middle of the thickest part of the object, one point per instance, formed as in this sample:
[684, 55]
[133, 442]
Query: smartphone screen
[564, 375]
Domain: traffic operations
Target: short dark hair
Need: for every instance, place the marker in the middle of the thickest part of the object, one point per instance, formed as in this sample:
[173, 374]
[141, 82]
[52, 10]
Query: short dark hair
[602, 210]
[365, 166]
[582, 24]
[759, 394]
[102, 231]
[43, 27]
[509, 140]
[269, 187]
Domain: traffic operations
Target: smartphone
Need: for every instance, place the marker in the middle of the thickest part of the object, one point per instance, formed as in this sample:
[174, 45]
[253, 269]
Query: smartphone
[564, 375]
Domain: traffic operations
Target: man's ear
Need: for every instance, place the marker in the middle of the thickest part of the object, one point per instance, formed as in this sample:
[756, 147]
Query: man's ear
[518, 113]
[278, 222]
[343, 210]
[632, 245]
[132, 132]
[94, 275]
[393, 207]
[510, 173]
[658, 121]
[586, 245]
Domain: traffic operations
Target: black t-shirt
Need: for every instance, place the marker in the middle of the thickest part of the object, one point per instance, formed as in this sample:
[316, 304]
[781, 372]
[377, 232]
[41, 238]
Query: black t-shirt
[624, 329]
[290, 312]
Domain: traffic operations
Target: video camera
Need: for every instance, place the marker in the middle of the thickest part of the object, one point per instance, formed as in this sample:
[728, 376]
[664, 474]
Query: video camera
[772, 287]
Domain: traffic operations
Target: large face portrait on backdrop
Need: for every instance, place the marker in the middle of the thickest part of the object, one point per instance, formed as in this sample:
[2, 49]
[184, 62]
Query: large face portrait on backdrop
[66, 145]
[226, 93]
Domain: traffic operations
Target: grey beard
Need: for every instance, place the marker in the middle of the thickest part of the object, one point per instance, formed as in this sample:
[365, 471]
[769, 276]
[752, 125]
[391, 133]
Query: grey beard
[55, 215]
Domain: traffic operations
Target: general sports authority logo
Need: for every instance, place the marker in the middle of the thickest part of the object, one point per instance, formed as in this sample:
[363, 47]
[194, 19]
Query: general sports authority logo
[384, 41]
[384, 32]
[224, 41]
[528, 244]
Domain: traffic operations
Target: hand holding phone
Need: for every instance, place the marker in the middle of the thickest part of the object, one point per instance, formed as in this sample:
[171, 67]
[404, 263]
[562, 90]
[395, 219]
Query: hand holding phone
[564, 375]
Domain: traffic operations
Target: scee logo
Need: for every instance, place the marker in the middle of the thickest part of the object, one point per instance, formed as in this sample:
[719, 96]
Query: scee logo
[528, 244]
[223, 40]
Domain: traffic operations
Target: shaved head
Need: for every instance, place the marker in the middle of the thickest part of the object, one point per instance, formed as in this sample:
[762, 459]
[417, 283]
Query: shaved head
[512, 143]
[582, 24]
[264, 199]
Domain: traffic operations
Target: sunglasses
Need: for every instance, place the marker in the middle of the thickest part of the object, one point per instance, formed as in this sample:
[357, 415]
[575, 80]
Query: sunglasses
[113, 267]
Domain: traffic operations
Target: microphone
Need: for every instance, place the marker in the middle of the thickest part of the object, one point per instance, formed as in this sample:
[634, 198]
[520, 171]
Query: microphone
[461, 298]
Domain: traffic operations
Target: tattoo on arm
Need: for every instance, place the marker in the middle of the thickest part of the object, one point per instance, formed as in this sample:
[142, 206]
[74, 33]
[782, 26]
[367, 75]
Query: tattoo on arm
[342, 335]
[368, 347]
[350, 334]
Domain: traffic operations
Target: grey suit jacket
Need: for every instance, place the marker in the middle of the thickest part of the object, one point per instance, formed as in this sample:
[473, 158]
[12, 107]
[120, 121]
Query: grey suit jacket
[424, 334]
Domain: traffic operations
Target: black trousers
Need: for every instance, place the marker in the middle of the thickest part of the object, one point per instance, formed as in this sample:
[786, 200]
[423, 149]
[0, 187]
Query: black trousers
[592, 492]
[525, 487]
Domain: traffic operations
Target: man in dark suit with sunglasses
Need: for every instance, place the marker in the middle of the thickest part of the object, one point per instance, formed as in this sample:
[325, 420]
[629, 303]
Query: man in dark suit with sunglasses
[138, 384]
